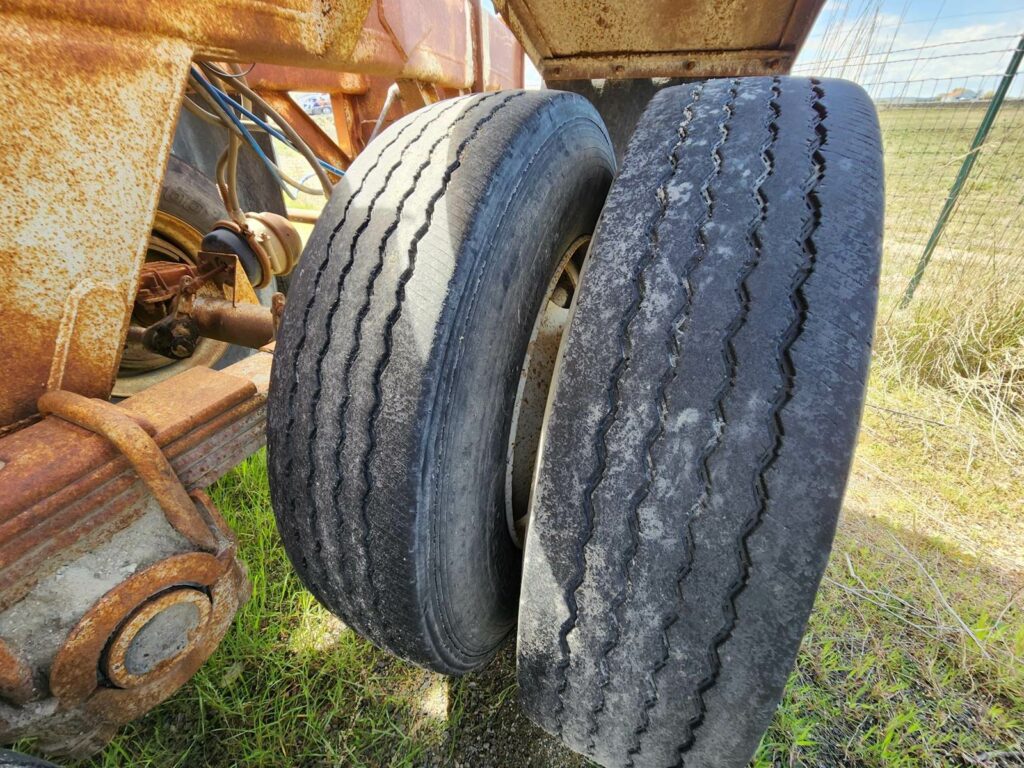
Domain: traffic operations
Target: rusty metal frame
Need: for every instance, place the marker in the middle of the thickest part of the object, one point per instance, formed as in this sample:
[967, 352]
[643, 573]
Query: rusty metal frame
[94, 91]
[15, 676]
[73, 674]
[138, 446]
[67, 489]
[698, 39]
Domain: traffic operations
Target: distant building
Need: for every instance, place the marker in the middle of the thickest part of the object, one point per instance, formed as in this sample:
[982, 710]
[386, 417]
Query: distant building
[959, 94]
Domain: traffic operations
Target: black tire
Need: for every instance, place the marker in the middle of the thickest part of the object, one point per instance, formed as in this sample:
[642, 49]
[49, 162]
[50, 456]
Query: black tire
[703, 423]
[399, 358]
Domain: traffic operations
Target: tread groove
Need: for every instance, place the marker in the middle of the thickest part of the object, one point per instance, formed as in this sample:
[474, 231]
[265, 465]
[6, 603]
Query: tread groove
[653, 435]
[392, 320]
[783, 395]
[292, 517]
[612, 399]
[328, 338]
[365, 308]
[678, 326]
[704, 424]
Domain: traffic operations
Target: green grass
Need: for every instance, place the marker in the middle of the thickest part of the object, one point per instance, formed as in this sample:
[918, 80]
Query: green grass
[887, 676]
[914, 655]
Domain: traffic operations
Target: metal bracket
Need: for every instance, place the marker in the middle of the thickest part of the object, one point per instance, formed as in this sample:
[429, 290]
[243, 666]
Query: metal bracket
[141, 450]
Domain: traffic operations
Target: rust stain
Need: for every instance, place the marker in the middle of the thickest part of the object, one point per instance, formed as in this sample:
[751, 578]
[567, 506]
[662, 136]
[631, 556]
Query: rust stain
[15, 677]
[247, 325]
[73, 675]
[123, 705]
[117, 666]
[579, 39]
[71, 250]
[271, 77]
[64, 488]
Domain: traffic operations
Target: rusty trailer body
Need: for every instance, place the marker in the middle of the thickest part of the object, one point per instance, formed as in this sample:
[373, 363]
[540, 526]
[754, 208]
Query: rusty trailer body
[103, 523]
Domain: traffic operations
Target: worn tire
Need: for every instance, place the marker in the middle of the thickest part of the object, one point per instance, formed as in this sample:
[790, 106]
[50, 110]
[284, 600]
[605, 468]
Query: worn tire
[399, 358]
[704, 421]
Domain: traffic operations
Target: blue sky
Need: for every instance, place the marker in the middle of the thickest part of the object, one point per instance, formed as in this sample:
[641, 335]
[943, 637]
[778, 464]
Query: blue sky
[930, 43]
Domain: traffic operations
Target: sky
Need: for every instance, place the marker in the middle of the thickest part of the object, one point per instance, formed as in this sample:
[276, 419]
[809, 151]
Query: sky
[933, 45]
[873, 33]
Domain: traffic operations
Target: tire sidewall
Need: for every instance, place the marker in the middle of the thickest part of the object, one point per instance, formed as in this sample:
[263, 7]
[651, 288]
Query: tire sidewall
[542, 199]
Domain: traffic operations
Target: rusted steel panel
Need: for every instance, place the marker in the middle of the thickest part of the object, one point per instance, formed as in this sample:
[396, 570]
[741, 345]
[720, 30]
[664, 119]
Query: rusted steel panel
[399, 38]
[577, 39]
[417, 41]
[142, 452]
[695, 64]
[15, 676]
[502, 57]
[273, 77]
[308, 32]
[88, 127]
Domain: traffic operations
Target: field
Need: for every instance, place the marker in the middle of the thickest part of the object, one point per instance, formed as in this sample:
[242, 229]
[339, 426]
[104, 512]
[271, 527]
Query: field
[915, 651]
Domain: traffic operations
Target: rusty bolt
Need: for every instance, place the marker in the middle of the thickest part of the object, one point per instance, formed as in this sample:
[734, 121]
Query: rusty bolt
[183, 339]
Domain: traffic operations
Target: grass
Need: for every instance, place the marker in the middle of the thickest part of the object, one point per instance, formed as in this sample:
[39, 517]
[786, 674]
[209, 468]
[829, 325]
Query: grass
[963, 333]
[913, 655]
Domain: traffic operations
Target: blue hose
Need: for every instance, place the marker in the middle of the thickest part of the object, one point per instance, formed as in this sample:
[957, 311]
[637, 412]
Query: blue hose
[219, 98]
[222, 97]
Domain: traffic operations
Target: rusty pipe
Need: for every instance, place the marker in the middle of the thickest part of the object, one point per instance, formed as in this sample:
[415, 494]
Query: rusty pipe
[247, 325]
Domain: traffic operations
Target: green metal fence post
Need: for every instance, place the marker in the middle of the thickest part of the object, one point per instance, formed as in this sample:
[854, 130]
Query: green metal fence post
[965, 170]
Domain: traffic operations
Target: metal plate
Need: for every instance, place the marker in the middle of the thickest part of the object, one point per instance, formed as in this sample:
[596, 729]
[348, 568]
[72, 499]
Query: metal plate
[578, 39]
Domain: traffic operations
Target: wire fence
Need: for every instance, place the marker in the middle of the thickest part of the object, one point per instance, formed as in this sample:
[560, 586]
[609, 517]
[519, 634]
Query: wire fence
[928, 126]
[954, 194]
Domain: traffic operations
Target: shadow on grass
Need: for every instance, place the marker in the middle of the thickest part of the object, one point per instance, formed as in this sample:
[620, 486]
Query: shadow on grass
[886, 675]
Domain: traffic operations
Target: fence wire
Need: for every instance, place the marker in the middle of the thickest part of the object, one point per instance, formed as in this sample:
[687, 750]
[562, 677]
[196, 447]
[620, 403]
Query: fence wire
[928, 124]
[931, 97]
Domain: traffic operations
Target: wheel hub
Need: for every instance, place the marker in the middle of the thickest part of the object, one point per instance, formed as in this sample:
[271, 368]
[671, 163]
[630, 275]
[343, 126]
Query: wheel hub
[535, 384]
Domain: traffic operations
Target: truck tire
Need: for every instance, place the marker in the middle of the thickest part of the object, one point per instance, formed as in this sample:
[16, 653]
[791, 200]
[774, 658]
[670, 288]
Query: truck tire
[399, 358]
[703, 422]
